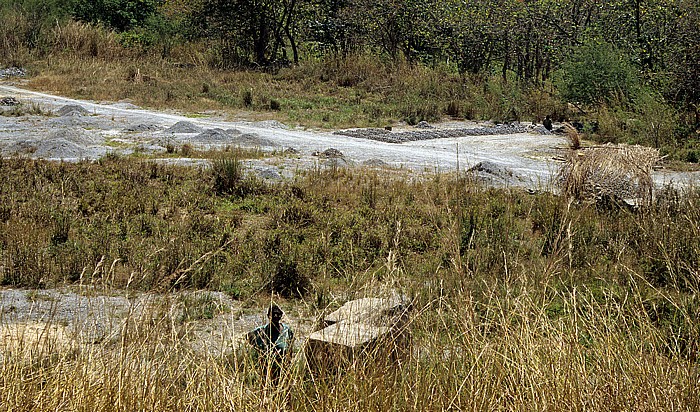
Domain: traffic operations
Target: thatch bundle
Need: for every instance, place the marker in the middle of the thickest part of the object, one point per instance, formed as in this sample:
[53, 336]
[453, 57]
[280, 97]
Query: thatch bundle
[613, 171]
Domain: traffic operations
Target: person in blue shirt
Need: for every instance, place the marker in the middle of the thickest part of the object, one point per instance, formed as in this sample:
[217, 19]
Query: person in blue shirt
[272, 343]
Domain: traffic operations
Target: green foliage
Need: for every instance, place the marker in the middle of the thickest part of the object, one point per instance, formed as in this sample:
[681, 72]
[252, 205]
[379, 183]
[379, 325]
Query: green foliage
[598, 73]
[229, 178]
[120, 15]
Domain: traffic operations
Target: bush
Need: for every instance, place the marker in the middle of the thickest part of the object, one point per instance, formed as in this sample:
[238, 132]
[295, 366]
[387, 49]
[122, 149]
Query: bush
[598, 73]
[288, 281]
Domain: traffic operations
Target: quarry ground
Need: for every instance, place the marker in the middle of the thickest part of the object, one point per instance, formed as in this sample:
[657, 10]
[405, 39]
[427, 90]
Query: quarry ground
[59, 128]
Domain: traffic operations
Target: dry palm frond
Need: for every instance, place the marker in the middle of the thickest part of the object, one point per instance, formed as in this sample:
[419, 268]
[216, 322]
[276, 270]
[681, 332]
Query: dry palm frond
[573, 136]
[621, 171]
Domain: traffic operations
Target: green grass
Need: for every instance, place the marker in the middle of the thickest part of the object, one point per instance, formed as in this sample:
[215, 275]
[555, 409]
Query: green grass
[521, 302]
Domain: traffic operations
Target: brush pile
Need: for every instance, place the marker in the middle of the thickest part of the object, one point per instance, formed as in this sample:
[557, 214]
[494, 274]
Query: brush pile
[608, 172]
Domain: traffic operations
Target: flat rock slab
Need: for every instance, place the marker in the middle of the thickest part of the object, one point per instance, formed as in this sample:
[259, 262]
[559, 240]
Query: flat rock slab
[351, 335]
[371, 311]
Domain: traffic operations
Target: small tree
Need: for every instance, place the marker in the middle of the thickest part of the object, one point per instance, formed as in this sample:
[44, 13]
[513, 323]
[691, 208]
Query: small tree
[598, 73]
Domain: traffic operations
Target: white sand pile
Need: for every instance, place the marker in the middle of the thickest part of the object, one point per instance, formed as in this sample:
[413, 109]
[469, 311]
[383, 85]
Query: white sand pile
[34, 338]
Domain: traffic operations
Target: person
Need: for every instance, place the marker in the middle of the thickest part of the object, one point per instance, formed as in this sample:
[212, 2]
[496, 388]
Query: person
[547, 123]
[272, 343]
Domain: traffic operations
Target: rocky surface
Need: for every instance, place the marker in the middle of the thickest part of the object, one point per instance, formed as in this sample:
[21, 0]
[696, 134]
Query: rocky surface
[516, 154]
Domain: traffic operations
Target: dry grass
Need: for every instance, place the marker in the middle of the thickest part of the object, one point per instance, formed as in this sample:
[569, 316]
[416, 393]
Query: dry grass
[507, 354]
[620, 171]
[522, 302]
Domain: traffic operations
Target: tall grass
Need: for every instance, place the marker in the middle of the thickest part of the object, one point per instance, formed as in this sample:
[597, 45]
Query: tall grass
[521, 302]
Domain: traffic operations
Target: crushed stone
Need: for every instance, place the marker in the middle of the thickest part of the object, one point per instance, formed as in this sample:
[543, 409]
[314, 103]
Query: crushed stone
[375, 163]
[72, 110]
[329, 153]
[141, 127]
[252, 140]
[213, 136]
[386, 136]
[75, 135]
[270, 124]
[12, 72]
[9, 101]
[184, 127]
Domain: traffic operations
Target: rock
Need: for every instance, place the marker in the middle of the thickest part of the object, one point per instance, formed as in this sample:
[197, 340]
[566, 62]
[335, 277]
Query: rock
[423, 125]
[9, 101]
[367, 330]
[373, 311]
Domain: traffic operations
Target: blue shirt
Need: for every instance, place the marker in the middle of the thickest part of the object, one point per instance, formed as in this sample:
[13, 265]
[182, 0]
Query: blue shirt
[261, 339]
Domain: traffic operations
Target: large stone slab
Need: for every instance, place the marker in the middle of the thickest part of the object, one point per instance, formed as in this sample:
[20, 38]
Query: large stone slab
[371, 311]
[361, 332]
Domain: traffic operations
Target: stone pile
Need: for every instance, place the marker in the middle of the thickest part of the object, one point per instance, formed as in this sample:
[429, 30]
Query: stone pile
[387, 136]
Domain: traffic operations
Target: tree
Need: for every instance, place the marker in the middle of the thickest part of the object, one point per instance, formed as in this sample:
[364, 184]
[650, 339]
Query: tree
[250, 31]
[120, 15]
[597, 73]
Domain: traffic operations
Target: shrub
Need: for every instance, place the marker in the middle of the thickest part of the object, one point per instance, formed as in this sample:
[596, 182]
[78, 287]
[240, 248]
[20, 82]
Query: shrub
[598, 73]
[288, 281]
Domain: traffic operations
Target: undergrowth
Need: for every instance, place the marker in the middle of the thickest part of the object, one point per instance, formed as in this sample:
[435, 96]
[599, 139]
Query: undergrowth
[521, 301]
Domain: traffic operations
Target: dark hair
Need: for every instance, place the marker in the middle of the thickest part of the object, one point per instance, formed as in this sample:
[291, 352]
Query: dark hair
[274, 309]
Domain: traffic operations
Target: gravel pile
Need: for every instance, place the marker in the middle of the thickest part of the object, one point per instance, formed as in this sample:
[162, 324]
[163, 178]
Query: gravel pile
[494, 173]
[72, 110]
[330, 153]
[184, 127]
[252, 140]
[141, 127]
[61, 149]
[213, 136]
[12, 72]
[75, 135]
[9, 101]
[375, 163]
[270, 124]
[410, 136]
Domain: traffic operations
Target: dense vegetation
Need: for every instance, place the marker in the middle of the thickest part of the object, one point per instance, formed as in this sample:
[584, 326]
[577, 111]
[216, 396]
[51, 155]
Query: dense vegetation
[628, 68]
[521, 301]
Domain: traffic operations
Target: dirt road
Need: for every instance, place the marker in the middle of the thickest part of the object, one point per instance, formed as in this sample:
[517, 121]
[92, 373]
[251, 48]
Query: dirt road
[72, 129]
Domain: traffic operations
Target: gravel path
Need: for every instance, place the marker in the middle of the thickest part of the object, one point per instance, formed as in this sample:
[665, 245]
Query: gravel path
[513, 155]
